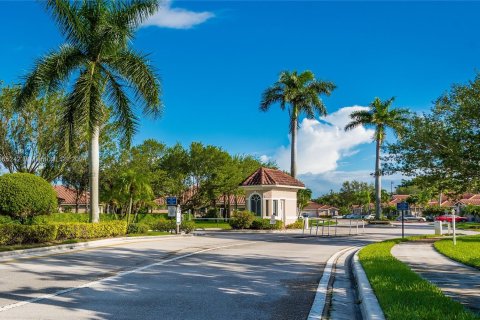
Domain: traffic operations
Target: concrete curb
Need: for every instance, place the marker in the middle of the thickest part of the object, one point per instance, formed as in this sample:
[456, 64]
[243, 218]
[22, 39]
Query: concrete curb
[369, 305]
[43, 251]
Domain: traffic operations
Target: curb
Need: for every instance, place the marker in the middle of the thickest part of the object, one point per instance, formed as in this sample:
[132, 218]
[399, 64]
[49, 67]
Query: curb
[44, 251]
[369, 305]
[318, 305]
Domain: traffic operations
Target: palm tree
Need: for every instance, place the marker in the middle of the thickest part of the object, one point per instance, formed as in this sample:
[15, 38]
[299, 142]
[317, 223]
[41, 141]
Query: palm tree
[381, 117]
[301, 92]
[97, 53]
[135, 186]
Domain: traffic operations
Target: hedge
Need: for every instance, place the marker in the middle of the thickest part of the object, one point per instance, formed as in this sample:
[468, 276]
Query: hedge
[138, 228]
[23, 195]
[241, 219]
[264, 224]
[11, 234]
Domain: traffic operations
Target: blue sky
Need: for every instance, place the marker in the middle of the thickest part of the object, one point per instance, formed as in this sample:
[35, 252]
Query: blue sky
[215, 59]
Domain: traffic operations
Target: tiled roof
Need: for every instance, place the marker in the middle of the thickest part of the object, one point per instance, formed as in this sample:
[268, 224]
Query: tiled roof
[316, 206]
[271, 177]
[67, 196]
[471, 201]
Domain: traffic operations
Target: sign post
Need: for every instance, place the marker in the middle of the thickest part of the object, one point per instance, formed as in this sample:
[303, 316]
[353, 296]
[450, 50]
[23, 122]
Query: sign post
[402, 207]
[178, 218]
[453, 226]
[174, 211]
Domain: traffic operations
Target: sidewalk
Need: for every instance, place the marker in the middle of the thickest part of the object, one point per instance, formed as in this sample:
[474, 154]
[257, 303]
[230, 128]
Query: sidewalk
[460, 282]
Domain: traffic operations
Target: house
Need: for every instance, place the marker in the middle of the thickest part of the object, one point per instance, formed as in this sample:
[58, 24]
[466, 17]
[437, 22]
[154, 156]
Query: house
[69, 200]
[272, 193]
[314, 209]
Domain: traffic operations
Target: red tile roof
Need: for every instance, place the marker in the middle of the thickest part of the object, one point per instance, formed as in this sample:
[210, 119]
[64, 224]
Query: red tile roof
[316, 206]
[67, 196]
[271, 177]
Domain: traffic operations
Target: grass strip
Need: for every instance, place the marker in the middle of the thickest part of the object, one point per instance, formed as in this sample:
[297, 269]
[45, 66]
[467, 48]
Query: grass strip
[402, 293]
[467, 250]
[213, 224]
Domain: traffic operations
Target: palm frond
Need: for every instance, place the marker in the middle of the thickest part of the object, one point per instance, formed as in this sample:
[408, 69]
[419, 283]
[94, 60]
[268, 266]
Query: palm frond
[272, 95]
[49, 72]
[133, 13]
[66, 14]
[139, 74]
[124, 114]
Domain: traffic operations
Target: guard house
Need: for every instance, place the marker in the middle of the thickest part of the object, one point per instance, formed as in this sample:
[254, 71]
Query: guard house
[270, 192]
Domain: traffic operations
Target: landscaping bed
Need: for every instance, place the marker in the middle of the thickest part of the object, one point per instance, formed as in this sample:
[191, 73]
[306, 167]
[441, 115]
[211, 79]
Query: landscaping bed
[402, 293]
[467, 250]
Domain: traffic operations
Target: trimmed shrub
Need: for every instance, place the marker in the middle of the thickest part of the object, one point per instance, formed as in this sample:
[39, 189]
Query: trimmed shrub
[23, 195]
[264, 224]
[213, 213]
[81, 230]
[70, 217]
[11, 234]
[187, 226]
[296, 225]
[241, 219]
[7, 219]
[138, 228]
[165, 225]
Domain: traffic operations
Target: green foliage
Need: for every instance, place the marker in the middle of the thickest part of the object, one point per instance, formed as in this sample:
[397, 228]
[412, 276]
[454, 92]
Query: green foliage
[433, 210]
[471, 209]
[24, 195]
[14, 234]
[441, 149]
[138, 228]
[241, 219]
[30, 139]
[68, 217]
[303, 197]
[264, 224]
[402, 293]
[296, 225]
[165, 225]
[80, 230]
[187, 226]
[7, 219]
[467, 250]
[213, 213]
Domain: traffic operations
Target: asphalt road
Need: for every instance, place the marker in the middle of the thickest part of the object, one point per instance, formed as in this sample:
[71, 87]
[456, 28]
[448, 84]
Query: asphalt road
[214, 276]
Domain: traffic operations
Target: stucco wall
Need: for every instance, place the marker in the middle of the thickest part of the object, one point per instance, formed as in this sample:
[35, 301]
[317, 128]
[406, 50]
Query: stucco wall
[275, 193]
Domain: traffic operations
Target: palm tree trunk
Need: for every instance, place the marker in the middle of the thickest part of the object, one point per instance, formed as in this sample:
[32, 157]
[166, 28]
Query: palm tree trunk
[130, 204]
[293, 163]
[94, 168]
[378, 183]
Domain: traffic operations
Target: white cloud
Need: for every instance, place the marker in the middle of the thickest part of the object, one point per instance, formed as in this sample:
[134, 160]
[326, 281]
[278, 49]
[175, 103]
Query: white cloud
[321, 144]
[176, 18]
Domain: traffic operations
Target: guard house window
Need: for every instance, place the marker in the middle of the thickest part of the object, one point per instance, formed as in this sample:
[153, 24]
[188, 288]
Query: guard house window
[275, 207]
[256, 204]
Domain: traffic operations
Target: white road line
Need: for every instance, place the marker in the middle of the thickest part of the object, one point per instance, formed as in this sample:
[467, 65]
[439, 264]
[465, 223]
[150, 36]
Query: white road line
[320, 297]
[118, 275]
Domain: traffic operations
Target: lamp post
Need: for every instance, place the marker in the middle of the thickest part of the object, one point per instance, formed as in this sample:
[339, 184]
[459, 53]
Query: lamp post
[453, 226]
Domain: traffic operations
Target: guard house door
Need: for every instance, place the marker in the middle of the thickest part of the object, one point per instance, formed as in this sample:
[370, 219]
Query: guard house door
[281, 210]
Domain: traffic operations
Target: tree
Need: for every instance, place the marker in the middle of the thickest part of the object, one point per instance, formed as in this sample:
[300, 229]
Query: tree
[301, 92]
[30, 138]
[97, 51]
[441, 149]
[381, 117]
[76, 177]
[303, 197]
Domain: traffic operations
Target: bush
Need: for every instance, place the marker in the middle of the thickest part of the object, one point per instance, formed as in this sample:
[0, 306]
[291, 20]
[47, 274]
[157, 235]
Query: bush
[241, 219]
[187, 226]
[264, 224]
[296, 225]
[7, 219]
[24, 195]
[213, 213]
[80, 230]
[165, 225]
[11, 234]
[138, 228]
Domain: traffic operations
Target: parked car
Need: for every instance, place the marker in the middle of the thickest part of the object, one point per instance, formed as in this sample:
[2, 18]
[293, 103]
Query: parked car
[369, 217]
[353, 216]
[449, 218]
[411, 218]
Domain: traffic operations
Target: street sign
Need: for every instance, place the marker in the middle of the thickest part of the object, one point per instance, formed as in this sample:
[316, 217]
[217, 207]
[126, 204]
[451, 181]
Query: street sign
[273, 220]
[402, 206]
[179, 215]
[171, 201]
[172, 212]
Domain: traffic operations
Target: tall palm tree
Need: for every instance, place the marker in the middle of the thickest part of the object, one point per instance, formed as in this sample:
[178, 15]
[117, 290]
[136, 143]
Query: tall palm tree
[381, 117]
[97, 54]
[301, 92]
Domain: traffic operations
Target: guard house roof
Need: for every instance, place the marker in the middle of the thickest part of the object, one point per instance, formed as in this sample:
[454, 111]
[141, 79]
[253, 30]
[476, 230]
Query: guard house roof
[271, 177]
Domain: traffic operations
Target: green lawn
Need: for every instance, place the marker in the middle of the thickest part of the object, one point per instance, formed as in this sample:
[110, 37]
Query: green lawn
[468, 226]
[149, 233]
[402, 293]
[212, 224]
[467, 250]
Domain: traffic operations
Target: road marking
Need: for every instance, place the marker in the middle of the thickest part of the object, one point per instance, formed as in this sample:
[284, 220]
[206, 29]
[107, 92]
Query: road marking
[318, 305]
[118, 275]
